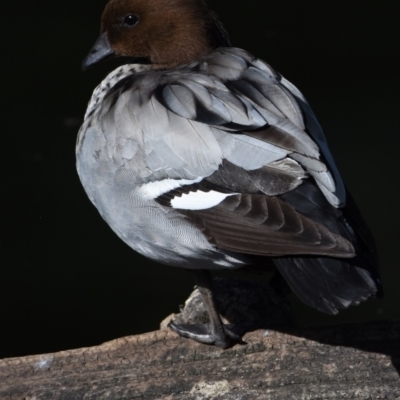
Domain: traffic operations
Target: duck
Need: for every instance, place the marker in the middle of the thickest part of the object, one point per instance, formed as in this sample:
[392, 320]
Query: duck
[199, 155]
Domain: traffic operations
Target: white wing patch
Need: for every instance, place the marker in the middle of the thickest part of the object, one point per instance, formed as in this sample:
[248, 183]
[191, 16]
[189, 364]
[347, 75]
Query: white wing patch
[199, 200]
[152, 190]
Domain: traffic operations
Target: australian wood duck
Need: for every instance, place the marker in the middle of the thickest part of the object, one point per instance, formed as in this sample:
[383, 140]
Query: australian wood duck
[201, 156]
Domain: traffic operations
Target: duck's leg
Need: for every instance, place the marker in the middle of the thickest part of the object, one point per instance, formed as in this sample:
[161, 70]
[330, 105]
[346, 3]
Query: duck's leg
[214, 332]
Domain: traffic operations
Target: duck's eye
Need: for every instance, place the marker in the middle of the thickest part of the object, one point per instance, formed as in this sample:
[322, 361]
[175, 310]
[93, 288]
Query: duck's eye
[131, 20]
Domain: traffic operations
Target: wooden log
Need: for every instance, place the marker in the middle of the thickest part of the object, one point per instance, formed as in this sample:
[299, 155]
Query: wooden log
[360, 361]
[357, 361]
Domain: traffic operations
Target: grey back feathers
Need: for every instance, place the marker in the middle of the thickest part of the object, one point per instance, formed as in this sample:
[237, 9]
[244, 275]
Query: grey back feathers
[226, 157]
[227, 106]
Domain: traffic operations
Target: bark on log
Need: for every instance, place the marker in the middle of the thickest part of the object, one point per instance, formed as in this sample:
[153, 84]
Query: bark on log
[359, 361]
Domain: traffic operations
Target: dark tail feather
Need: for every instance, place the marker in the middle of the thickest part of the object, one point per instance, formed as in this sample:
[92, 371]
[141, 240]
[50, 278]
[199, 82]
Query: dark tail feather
[327, 284]
[331, 283]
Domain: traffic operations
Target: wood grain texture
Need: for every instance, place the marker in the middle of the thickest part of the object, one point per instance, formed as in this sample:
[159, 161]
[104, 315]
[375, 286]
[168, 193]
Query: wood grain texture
[357, 361]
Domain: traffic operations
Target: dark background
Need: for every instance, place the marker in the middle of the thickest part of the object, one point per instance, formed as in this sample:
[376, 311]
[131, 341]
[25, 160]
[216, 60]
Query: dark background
[66, 280]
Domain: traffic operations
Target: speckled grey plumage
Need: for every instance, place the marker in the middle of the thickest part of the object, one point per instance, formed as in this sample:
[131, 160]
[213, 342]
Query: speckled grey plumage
[227, 125]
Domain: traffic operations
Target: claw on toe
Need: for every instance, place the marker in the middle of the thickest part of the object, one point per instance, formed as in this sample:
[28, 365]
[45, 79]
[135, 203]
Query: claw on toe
[202, 333]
